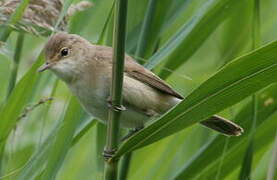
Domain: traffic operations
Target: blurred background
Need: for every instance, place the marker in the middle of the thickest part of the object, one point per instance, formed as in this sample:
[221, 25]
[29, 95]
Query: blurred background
[205, 35]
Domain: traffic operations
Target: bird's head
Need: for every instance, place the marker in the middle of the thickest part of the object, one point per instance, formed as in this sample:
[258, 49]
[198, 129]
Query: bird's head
[64, 54]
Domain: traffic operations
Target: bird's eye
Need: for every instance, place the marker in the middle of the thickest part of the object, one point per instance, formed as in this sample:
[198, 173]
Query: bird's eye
[64, 52]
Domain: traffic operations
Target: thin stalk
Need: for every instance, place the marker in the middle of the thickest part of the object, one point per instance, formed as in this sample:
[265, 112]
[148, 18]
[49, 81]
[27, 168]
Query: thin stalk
[245, 172]
[145, 31]
[16, 16]
[140, 52]
[272, 169]
[116, 89]
[63, 12]
[125, 166]
[256, 25]
[100, 137]
[16, 59]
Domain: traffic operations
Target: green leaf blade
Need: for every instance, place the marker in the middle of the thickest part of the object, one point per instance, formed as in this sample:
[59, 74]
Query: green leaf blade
[234, 82]
[18, 99]
[64, 139]
[192, 35]
[206, 155]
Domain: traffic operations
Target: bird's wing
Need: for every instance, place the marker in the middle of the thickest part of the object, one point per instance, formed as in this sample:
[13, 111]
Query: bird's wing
[138, 72]
[138, 86]
[142, 74]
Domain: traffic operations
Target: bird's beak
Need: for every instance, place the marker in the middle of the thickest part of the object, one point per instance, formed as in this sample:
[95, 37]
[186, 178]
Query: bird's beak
[44, 67]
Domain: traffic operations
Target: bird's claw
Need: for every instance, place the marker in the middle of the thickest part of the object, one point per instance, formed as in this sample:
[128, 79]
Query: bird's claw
[115, 107]
[108, 154]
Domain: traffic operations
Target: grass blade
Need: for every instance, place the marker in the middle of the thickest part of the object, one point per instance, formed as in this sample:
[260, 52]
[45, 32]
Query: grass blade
[247, 162]
[245, 172]
[192, 35]
[206, 155]
[271, 174]
[20, 95]
[227, 87]
[63, 140]
[101, 131]
[82, 130]
[145, 31]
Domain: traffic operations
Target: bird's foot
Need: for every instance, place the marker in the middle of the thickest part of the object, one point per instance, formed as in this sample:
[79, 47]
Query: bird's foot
[131, 133]
[115, 107]
[107, 154]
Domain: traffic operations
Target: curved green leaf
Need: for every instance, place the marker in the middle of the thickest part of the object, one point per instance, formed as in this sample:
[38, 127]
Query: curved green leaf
[236, 81]
[23, 90]
[63, 140]
[36, 163]
[206, 155]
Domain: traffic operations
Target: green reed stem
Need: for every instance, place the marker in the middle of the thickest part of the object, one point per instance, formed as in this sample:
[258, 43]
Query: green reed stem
[125, 166]
[117, 85]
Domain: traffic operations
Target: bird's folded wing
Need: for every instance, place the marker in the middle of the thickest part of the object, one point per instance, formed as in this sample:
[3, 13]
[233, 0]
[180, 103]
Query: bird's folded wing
[136, 71]
[144, 75]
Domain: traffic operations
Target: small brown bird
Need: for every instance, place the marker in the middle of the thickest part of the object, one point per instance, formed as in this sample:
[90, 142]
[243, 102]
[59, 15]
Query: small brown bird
[87, 70]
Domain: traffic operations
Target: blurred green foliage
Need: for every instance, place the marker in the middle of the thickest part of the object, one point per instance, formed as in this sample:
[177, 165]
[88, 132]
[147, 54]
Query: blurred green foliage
[195, 152]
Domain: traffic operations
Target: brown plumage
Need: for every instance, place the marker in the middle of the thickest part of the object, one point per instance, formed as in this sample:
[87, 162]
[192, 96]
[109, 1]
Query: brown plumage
[87, 70]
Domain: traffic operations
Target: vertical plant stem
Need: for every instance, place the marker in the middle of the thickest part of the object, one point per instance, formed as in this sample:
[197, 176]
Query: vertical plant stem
[140, 53]
[125, 166]
[101, 131]
[16, 59]
[145, 31]
[125, 163]
[256, 25]
[272, 168]
[116, 89]
[245, 172]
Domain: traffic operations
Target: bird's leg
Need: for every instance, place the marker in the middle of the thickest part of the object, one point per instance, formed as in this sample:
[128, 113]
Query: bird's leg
[114, 107]
[131, 133]
[107, 154]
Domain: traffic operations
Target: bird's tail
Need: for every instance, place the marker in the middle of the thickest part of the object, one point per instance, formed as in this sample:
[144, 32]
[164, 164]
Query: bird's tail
[223, 126]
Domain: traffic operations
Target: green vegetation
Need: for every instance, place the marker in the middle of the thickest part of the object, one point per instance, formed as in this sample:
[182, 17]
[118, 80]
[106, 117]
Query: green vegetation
[220, 54]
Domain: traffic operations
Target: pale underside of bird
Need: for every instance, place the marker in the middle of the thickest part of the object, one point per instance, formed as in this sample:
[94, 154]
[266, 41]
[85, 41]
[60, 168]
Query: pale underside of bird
[87, 70]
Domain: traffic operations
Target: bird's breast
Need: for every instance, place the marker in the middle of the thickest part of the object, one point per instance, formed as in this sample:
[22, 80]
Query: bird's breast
[94, 99]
